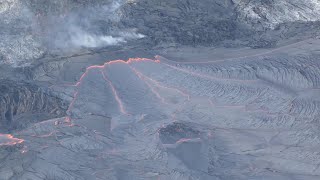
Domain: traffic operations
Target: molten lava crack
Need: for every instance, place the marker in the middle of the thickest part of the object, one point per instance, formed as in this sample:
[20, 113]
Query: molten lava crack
[9, 140]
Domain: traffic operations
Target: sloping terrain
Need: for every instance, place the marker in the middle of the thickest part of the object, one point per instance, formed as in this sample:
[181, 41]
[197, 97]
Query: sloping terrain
[246, 118]
[231, 23]
[21, 99]
[34, 29]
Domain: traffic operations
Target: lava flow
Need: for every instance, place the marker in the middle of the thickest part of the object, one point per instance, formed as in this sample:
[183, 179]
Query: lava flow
[193, 73]
[9, 140]
[75, 95]
[155, 92]
[160, 85]
[101, 69]
[115, 93]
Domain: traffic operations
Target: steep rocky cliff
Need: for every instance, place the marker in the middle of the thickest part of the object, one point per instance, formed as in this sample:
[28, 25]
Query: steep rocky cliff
[19, 99]
[36, 28]
[226, 23]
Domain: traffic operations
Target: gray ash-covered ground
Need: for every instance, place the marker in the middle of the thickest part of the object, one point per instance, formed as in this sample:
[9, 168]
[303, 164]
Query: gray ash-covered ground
[215, 90]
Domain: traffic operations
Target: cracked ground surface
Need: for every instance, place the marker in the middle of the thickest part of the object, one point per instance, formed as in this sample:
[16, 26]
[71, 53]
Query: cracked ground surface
[223, 90]
[241, 118]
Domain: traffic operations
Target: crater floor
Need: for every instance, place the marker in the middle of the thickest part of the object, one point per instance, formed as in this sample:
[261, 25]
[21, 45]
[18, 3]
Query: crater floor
[254, 117]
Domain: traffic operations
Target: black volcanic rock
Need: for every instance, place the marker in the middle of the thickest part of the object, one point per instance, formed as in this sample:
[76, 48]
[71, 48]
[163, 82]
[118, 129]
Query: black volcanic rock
[35, 28]
[234, 97]
[176, 131]
[18, 98]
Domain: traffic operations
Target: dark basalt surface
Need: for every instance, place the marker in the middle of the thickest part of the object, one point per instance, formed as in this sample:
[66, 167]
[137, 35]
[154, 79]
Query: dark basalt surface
[176, 131]
[216, 90]
[19, 98]
[35, 29]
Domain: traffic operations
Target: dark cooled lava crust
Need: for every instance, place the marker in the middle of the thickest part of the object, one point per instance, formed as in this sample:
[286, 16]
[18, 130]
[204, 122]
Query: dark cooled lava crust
[19, 99]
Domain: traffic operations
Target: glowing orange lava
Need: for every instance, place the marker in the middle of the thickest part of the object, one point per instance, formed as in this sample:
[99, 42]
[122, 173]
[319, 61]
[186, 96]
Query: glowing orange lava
[9, 140]
[101, 68]
[162, 86]
[183, 140]
[149, 85]
[115, 93]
